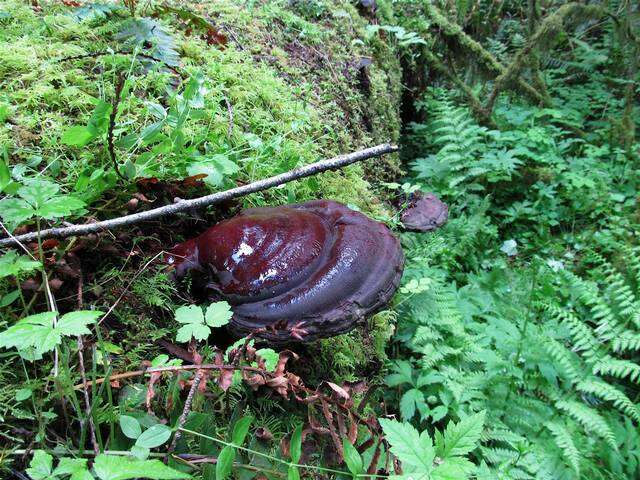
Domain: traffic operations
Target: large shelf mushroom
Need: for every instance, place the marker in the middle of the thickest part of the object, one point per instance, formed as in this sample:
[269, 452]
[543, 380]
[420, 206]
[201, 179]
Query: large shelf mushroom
[296, 272]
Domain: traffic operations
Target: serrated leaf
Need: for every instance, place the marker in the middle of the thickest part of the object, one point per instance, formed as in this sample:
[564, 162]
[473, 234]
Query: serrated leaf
[189, 314]
[409, 402]
[225, 462]
[41, 466]
[462, 437]
[186, 332]
[146, 31]
[57, 207]
[218, 314]
[75, 323]
[38, 192]
[130, 427]
[412, 448]
[28, 331]
[13, 264]
[270, 357]
[76, 467]
[154, 436]
[15, 211]
[112, 467]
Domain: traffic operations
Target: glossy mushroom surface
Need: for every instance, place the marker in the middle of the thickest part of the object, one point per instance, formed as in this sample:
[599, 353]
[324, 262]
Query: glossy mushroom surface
[300, 272]
[425, 212]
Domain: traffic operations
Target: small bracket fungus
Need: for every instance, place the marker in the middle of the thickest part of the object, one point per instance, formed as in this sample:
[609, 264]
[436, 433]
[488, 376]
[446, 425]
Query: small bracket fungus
[296, 272]
[424, 213]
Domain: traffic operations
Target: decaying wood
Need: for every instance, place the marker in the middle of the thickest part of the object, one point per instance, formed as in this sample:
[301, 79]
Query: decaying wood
[201, 202]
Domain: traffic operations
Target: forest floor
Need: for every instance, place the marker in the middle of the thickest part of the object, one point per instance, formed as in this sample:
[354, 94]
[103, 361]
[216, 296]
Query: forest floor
[511, 348]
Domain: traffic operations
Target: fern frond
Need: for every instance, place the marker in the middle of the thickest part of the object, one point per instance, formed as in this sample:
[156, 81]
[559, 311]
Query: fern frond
[590, 419]
[626, 341]
[609, 393]
[564, 441]
[618, 368]
[564, 358]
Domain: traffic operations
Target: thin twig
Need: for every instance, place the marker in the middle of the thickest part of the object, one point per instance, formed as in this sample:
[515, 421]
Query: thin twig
[186, 409]
[83, 376]
[201, 202]
[87, 402]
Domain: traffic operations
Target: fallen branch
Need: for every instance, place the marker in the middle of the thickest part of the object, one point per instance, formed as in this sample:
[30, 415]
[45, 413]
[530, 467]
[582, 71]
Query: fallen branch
[452, 29]
[184, 205]
[549, 27]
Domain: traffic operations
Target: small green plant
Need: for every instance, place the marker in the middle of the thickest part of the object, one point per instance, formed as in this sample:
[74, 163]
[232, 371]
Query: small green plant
[105, 467]
[197, 323]
[43, 332]
[38, 198]
[424, 458]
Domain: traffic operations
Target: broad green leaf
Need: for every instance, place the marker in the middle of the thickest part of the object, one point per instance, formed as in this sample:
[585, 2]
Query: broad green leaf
[46, 339]
[99, 121]
[295, 446]
[223, 164]
[112, 467]
[41, 466]
[75, 323]
[9, 298]
[22, 394]
[77, 136]
[57, 207]
[76, 467]
[412, 448]
[199, 332]
[213, 174]
[225, 462]
[352, 458]
[293, 473]
[154, 436]
[141, 453]
[189, 314]
[409, 402]
[454, 468]
[130, 427]
[15, 211]
[270, 357]
[462, 437]
[218, 314]
[13, 264]
[5, 176]
[38, 191]
[28, 332]
[240, 430]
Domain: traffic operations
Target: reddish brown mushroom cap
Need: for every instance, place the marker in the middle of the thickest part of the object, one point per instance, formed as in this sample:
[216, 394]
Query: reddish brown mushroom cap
[302, 271]
[424, 213]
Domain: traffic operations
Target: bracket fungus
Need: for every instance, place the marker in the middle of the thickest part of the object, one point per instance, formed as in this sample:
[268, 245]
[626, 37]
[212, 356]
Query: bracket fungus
[425, 212]
[296, 272]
